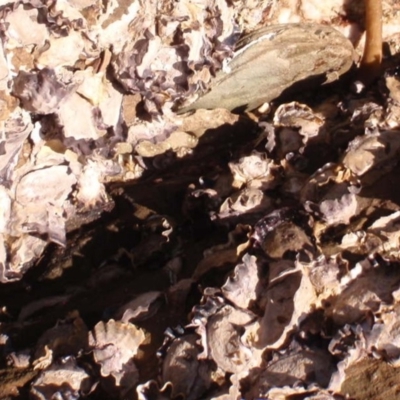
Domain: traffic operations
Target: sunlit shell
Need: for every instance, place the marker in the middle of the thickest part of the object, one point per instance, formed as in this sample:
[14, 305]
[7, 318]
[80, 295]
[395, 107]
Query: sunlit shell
[151, 391]
[114, 345]
[40, 92]
[224, 339]
[242, 287]
[254, 171]
[297, 115]
[372, 152]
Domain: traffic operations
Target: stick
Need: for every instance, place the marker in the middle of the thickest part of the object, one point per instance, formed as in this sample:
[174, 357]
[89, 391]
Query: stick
[370, 66]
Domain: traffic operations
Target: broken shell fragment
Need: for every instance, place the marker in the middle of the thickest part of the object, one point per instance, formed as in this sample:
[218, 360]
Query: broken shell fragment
[271, 60]
[283, 232]
[68, 337]
[371, 153]
[40, 92]
[151, 390]
[62, 381]
[141, 307]
[188, 375]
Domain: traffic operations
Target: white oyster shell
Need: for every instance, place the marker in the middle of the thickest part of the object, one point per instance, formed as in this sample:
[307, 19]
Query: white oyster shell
[114, 345]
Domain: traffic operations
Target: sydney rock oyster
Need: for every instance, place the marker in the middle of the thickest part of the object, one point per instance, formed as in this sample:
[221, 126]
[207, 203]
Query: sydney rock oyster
[272, 59]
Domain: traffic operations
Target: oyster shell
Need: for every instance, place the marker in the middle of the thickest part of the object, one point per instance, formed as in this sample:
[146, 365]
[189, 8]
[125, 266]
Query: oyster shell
[368, 156]
[272, 59]
[68, 337]
[114, 344]
[141, 307]
[189, 376]
[66, 380]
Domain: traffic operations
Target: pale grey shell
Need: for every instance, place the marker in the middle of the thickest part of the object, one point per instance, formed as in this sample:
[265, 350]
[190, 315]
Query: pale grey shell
[272, 59]
[114, 344]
